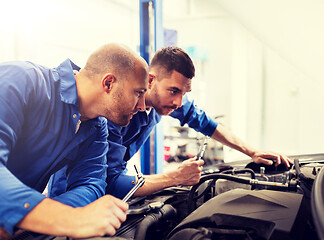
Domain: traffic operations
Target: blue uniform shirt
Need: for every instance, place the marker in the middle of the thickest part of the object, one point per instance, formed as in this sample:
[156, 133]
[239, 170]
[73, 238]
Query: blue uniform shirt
[124, 142]
[38, 118]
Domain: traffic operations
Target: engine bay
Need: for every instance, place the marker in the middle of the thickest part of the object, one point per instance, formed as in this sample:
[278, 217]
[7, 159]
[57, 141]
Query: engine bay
[241, 200]
[234, 201]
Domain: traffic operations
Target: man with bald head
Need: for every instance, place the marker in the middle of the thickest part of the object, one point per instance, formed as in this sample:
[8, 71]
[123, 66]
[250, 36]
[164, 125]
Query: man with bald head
[50, 118]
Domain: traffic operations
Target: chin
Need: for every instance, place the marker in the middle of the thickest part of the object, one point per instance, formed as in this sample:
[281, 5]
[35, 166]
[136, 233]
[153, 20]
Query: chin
[123, 122]
[164, 111]
[168, 111]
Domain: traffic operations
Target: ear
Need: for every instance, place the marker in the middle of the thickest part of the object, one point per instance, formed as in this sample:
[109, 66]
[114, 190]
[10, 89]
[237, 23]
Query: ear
[152, 77]
[107, 82]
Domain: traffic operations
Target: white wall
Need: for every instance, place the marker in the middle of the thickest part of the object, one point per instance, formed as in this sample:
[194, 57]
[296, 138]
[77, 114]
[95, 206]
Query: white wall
[265, 70]
[50, 31]
[194, 29]
[291, 33]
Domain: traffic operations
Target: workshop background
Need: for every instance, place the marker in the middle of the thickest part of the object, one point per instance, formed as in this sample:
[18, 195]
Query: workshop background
[259, 63]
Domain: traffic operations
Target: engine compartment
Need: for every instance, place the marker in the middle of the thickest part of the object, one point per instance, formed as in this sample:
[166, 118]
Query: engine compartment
[236, 201]
[241, 200]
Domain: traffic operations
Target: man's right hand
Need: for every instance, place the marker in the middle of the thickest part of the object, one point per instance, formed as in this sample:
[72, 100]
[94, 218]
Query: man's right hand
[189, 172]
[99, 218]
[102, 217]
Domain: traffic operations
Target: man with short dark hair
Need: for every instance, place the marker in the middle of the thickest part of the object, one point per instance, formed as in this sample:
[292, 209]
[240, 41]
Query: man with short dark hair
[50, 118]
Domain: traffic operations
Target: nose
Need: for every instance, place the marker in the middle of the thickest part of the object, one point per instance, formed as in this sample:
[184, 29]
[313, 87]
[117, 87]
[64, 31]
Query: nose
[178, 101]
[141, 104]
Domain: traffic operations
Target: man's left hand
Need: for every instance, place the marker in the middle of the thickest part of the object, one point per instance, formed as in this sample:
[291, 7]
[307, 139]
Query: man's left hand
[270, 157]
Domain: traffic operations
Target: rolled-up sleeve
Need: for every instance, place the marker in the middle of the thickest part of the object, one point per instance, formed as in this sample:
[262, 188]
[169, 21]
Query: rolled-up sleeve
[120, 185]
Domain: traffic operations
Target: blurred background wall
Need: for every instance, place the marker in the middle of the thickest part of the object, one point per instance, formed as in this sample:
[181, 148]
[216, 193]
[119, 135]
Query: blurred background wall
[259, 62]
[49, 31]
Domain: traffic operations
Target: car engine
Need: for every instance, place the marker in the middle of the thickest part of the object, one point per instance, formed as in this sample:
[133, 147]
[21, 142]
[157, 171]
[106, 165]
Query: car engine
[241, 200]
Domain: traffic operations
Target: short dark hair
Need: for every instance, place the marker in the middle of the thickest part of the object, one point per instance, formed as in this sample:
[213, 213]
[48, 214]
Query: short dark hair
[174, 58]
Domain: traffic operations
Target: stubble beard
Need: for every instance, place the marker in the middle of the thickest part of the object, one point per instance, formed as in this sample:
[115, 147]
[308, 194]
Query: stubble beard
[116, 113]
[156, 103]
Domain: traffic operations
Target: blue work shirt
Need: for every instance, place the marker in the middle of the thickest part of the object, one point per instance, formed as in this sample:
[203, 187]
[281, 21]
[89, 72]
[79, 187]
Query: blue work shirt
[124, 142]
[38, 119]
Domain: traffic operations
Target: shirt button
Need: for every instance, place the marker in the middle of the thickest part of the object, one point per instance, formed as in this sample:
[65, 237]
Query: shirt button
[26, 205]
[74, 115]
[133, 182]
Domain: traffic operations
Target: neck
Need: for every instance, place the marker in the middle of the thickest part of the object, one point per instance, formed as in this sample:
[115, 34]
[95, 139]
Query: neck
[85, 97]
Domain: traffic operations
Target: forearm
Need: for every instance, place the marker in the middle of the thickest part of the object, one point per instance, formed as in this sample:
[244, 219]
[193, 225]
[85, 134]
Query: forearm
[226, 137]
[99, 218]
[50, 217]
[157, 182]
[187, 174]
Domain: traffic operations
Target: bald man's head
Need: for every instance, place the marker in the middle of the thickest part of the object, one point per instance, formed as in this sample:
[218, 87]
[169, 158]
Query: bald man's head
[112, 84]
[113, 58]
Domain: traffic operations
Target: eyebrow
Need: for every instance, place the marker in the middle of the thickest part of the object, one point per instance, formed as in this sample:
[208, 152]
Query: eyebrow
[178, 90]
[175, 89]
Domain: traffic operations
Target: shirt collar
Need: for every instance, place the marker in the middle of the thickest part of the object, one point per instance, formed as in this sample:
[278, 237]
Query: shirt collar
[68, 84]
